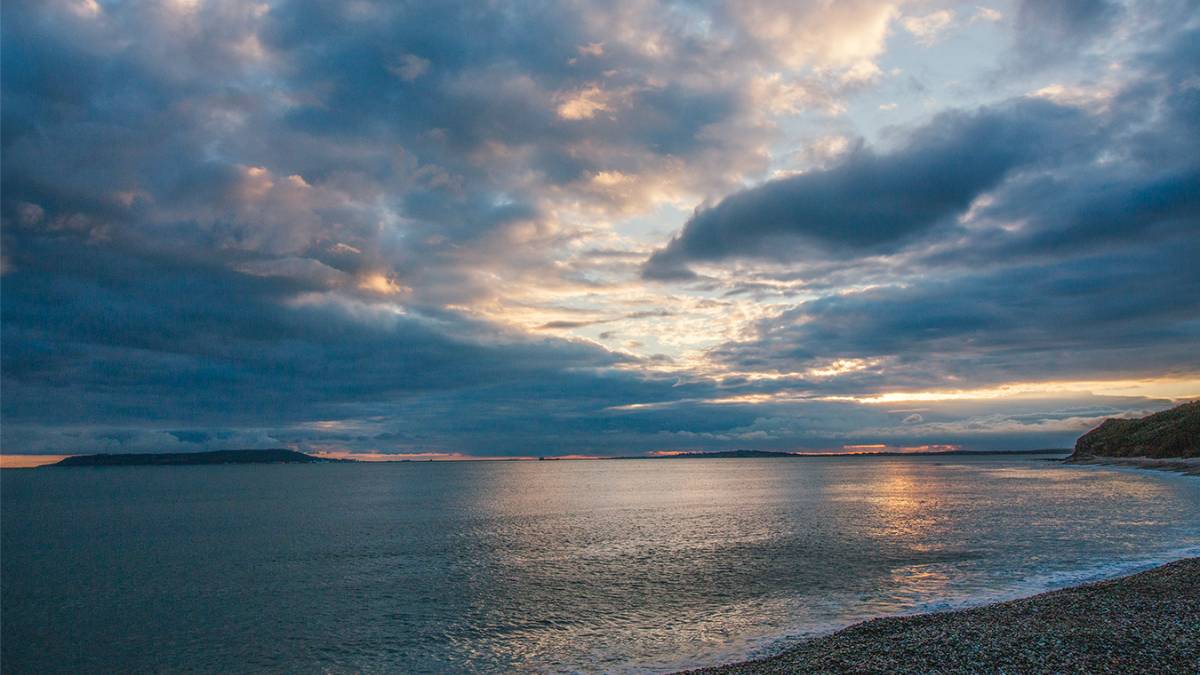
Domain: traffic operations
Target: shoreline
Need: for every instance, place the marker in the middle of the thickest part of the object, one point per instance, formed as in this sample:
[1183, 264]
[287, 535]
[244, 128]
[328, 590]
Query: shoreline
[1148, 621]
[1185, 465]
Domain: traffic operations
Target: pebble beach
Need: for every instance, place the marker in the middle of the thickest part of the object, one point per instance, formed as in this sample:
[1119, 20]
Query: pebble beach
[1143, 623]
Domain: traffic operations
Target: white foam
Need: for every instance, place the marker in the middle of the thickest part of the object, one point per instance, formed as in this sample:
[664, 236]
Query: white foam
[1026, 588]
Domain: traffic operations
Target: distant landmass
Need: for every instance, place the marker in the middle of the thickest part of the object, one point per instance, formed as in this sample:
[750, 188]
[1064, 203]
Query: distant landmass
[272, 456]
[727, 453]
[1168, 434]
[802, 455]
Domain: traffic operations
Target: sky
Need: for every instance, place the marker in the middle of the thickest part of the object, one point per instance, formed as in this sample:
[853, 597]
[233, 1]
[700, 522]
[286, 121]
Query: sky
[494, 229]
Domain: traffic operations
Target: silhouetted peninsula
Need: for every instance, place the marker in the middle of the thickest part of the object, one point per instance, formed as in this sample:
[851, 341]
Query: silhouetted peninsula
[728, 453]
[272, 456]
[1168, 434]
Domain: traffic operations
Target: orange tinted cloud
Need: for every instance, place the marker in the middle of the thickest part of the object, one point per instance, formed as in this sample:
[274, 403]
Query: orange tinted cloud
[29, 461]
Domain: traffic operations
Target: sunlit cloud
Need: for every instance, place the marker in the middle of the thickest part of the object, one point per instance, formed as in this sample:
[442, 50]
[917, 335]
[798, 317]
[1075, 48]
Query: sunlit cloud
[782, 225]
[928, 28]
[381, 284]
[28, 461]
[987, 14]
[825, 35]
[1095, 98]
[584, 103]
[841, 367]
[1182, 388]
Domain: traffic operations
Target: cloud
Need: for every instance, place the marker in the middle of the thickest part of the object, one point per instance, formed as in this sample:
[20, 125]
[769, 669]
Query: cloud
[1060, 258]
[873, 201]
[206, 348]
[583, 104]
[340, 226]
[402, 137]
[1054, 27]
[1086, 318]
[409, 67]
[928, 28]
[821, 34]
[986, 14]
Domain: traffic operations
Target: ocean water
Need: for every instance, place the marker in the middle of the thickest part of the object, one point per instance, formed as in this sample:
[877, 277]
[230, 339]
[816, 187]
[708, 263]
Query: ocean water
[639, 565]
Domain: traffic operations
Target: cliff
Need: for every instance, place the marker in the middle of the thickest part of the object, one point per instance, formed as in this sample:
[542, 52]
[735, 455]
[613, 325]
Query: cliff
[1170, 433]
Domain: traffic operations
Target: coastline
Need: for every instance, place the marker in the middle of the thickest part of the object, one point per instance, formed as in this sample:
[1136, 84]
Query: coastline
[1148, 621]
[1185, 465]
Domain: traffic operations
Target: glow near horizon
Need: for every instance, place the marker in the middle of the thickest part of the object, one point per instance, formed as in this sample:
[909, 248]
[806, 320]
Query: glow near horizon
[765, 91]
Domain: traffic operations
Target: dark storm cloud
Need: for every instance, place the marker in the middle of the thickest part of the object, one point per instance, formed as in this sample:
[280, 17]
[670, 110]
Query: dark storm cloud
[1076, 262]
[242, 224]
[487, 74]
[439, 119]
[1099, 316]
[86, 340]
[1084, 173]
[195, 197]
[1137, 185]
[872, 202]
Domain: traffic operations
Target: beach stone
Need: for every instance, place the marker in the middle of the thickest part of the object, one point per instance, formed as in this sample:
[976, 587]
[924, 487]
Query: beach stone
[1144, 623]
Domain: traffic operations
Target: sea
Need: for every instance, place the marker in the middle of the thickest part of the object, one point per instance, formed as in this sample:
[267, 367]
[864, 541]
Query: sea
[560, 566]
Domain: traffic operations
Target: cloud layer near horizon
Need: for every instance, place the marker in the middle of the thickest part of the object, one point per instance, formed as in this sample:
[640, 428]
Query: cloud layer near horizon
[461, 228]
